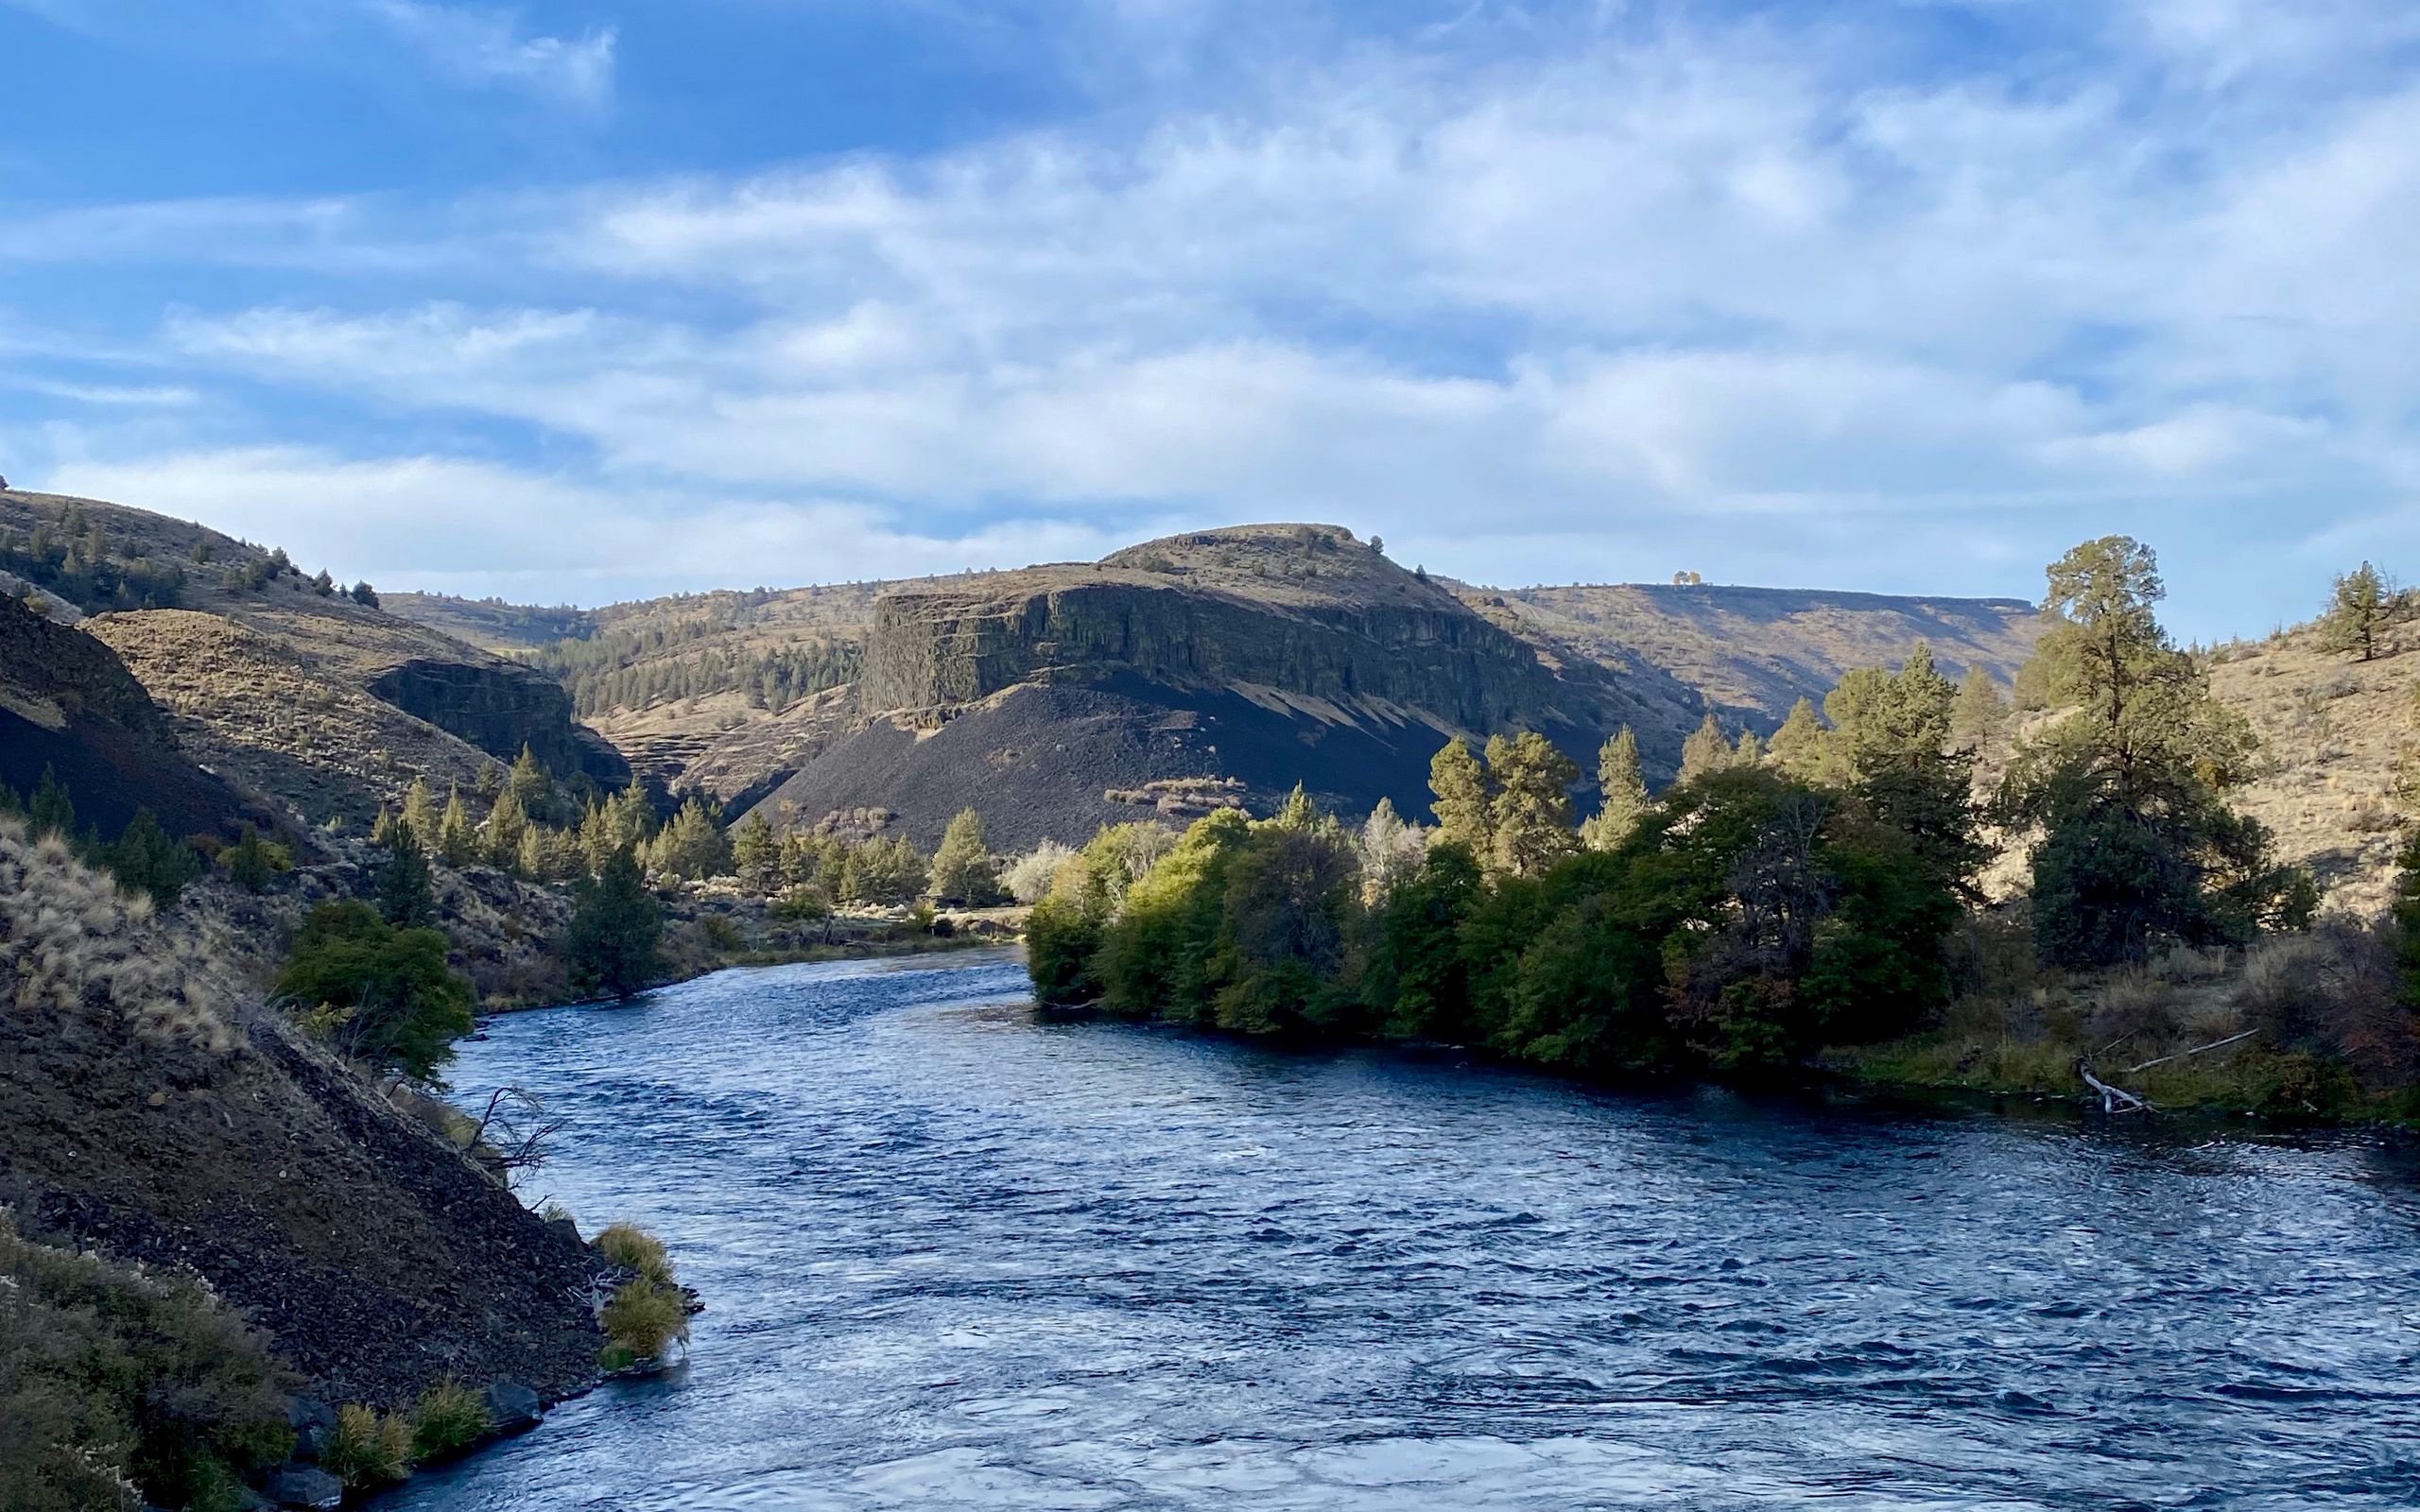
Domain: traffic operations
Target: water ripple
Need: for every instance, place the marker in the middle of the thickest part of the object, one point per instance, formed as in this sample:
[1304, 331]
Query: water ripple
[961, 1257]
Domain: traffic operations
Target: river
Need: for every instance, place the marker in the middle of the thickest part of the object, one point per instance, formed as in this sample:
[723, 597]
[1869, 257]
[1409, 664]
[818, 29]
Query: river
[957, 1256]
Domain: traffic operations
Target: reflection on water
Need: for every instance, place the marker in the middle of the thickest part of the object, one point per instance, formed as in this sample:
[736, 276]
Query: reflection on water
[957, 1257]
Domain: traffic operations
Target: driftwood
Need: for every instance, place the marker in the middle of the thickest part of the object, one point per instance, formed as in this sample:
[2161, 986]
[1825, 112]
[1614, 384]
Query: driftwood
[2112, 1099]
[2118, 1100]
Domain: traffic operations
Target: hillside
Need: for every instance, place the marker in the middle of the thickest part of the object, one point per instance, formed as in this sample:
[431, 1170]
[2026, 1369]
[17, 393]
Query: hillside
[304, 692]
[157, 1112]
[686, 686]
[2334, 729]
[1752, 652]
[69, 707]
[1236, 662]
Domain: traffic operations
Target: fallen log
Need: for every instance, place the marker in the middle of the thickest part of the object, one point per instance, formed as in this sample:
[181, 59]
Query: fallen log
[2112, 1099]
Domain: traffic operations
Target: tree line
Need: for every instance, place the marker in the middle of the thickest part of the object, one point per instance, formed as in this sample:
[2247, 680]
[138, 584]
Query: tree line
[632, 669]
[1780, 896]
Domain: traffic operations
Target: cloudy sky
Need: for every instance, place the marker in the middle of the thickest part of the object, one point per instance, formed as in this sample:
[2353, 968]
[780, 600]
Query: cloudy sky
[573, 301]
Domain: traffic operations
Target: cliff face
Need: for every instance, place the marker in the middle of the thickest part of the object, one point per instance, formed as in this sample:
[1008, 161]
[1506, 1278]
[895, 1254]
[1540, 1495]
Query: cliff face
[498, 708]
[69, 704]
[1057, 698]
[940, 648]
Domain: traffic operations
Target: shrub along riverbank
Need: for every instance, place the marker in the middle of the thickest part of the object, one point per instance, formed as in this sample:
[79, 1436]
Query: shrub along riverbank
[1780, 902]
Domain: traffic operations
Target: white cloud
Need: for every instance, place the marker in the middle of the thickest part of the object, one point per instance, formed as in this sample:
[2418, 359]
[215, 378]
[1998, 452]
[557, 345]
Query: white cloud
[485, 48]
[1601, 292]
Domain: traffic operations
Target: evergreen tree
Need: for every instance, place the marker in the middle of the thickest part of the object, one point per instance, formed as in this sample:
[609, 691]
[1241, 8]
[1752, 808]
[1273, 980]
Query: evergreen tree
[2364, 603]
[882, 873]
[756, 855]
[11, 802]
[1799, 747]
[532, 785]
[405, 899]
[693, 844]
[457, 838]
[147, 860]
[963, 869]
[1980, 720]
[500, 837]
[1706, 751]
[419, 812]
[1621, 778]
[614, 942]
[2137, 845]
[384, 829]
[1749, 751]
[1533, 808]
[253, 863]
[1464, 800]
[52, 811]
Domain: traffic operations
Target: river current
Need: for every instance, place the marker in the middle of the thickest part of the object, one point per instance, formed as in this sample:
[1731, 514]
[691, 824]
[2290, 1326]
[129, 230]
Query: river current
[958, 1256]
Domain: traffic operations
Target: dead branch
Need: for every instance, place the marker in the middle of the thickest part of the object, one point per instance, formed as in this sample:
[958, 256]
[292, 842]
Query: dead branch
[2112, 1099]
[2182, 1055]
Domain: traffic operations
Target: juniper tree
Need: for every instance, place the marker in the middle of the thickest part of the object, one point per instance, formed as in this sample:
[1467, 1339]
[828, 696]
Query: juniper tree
[457, 838]
[2363, 606]
[616, 939]
[756, 855]
[500, 837]
[1978, 721]
[1798, 746]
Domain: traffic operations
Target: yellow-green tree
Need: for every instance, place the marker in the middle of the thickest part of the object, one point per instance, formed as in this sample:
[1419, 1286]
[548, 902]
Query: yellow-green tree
[1621, 778]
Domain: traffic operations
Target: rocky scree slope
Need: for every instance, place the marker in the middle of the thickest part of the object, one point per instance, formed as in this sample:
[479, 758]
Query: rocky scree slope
[157, 1112]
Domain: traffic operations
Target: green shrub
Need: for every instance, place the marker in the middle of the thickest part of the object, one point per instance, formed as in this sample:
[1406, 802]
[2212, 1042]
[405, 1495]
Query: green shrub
[119, 1386]
[369, 1449]
[382, 994]
[449, 1418]
[253, 863]
[645, 1319]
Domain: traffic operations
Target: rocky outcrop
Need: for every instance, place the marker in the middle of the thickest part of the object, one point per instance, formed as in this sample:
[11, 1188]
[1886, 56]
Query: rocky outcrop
[1243, 661]
[499, 708]
[68, 704]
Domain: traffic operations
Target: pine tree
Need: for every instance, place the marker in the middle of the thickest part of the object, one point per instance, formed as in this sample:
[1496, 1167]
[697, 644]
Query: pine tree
[1532, 806]
[1798, 746]
[533, 785]
[384, 829]
[253, 863]
[1750, 752]
[1706, 751]
[147, 860]
[2407, 919]
[52, 811]
[419, 812]
[1621, 778]
[1298, 812]
[405, 898]
[457, 838]
[500, 837]
[1464, 801]
[1980, 720]
[756, 855]
[692, 846]
[616, 931]
[963, 869]
[2364, 603]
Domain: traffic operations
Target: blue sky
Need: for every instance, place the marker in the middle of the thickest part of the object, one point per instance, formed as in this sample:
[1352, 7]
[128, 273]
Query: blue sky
[581, 301]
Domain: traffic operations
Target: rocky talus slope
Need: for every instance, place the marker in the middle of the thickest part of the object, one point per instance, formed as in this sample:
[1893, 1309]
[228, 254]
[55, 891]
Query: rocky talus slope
[156, 1113]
